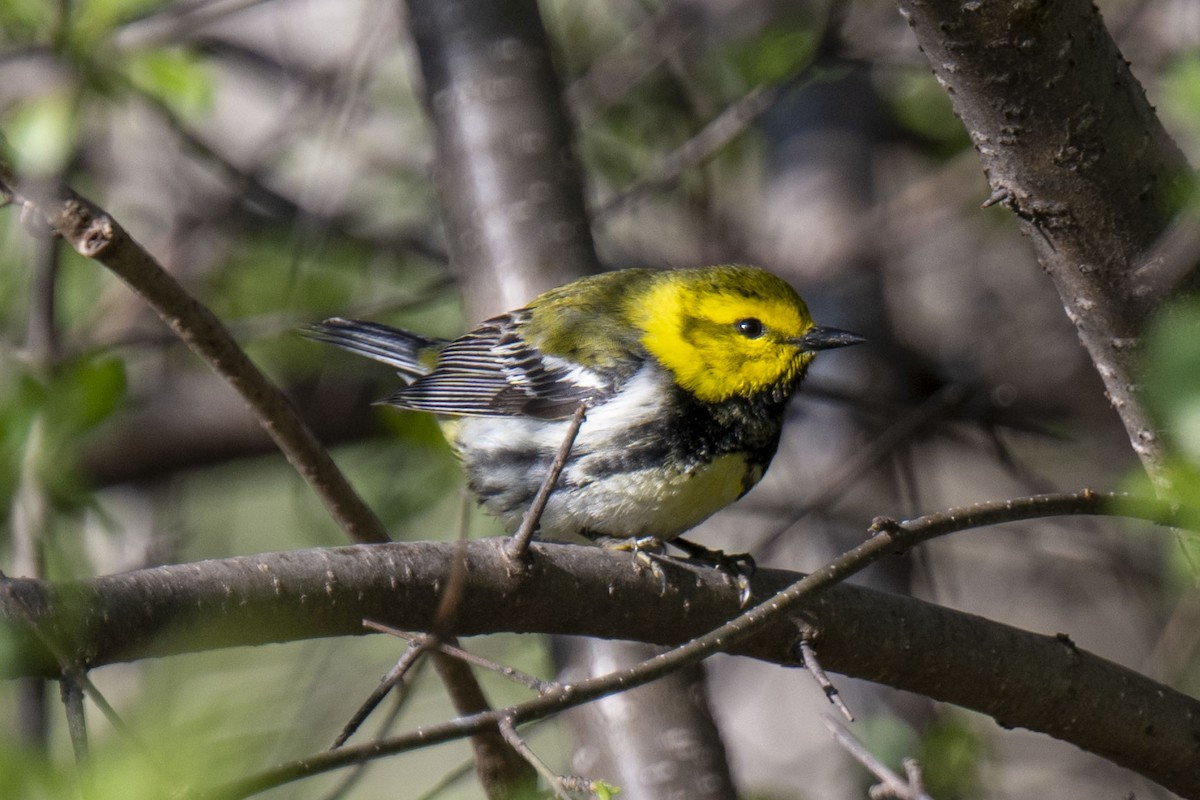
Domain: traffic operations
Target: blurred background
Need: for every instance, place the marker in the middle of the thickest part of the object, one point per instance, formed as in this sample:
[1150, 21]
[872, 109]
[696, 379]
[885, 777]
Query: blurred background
[277, 159]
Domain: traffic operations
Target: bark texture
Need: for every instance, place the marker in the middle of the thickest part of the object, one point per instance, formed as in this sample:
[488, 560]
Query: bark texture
[508, 179]
[1070, 145]
[1043, 683]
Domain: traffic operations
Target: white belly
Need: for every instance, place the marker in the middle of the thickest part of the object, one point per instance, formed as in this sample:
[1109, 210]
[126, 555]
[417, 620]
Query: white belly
[507, 458]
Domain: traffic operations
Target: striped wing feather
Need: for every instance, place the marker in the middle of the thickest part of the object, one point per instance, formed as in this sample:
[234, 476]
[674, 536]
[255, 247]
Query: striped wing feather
[492, 371]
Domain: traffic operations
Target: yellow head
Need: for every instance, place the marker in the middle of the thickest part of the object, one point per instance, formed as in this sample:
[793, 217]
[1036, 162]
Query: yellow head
[730, 331]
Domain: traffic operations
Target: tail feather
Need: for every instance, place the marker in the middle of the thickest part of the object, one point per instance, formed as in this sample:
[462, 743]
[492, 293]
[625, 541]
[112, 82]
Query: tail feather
[409, 353]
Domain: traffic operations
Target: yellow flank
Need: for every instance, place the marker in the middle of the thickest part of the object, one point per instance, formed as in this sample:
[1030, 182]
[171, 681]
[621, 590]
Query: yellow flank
[692, 330]
[709, 489]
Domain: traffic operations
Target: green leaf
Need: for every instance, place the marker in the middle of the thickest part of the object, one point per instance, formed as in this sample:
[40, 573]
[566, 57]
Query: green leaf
[775, 55]
[1172, 369]
[1181, 91]
[605, 791]
[42, 132]
[176, 76]
[87, 392]
[21, 20]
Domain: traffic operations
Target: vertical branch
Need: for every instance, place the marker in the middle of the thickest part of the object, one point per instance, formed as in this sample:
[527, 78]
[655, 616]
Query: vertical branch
[508, 178]
[30, 518]
[1073, 148]
[500, 768]
[516, 224]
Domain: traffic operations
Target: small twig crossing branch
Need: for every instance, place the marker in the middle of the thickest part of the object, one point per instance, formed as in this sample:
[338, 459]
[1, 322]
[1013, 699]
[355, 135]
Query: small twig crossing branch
[517, 676]
[518, 545]
[393, 677]
[72, 699]
[556, 782]
[809, 657]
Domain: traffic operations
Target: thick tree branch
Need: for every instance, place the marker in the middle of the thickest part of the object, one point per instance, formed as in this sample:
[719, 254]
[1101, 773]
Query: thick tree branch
[1070, 145]
[1019, 678]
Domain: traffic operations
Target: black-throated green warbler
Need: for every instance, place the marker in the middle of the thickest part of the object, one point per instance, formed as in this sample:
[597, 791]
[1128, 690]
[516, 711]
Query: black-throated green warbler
[685, 374]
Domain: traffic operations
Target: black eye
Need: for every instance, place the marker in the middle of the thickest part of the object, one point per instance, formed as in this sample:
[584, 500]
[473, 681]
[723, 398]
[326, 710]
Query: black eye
[750, 327]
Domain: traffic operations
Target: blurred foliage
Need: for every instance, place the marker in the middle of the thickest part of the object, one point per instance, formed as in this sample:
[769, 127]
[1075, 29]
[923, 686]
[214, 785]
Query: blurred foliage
[1173, 381]
[923, 109]
[44, 419]
[93, 22]
[42, 132]
[773, 56]
[1173, 396]
[951, 756]
[23, 20]
[175, 76]
[1181, 95]
[950, 752]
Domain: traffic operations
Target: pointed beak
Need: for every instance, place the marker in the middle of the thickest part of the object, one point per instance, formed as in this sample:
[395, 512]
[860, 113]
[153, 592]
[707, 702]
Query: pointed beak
[818, 338]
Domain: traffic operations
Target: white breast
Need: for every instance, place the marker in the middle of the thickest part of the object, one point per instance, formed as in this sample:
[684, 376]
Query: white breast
[507, 459]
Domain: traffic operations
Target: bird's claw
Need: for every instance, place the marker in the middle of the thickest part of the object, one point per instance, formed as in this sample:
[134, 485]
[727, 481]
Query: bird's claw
[739, 568]
[646, 552]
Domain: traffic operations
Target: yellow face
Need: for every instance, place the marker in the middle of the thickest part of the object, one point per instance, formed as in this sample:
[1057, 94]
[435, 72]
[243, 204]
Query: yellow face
[726, 331]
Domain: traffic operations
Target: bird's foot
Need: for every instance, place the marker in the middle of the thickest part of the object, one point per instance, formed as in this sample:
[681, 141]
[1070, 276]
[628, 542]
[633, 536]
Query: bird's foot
[647, 552]
[737, 567]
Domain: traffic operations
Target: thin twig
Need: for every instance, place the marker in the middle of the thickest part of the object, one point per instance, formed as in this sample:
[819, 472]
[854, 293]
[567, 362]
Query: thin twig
[385, 726]
[509, 731]
[914, 419]
[518, 545]
[501, 770]
[95, 234]
[809, 657]
[727, 126]
[81, 681]
[891, 784]
[731, 122]
[448, 779]
[612, 75]
[914, 774]
[889, 537]
[393, 677]
[72, 700]
[525, 679]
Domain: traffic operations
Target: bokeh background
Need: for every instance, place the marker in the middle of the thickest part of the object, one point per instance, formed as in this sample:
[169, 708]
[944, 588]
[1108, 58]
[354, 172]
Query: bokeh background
[277, 159]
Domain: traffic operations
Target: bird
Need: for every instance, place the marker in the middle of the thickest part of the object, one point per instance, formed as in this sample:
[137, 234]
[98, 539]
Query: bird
[684, 376]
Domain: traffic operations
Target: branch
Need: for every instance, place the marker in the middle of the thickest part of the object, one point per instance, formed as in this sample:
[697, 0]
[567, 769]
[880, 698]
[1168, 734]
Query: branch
[916, 646]
[508, 180]
[1072, 147]
[890, 784]
[96, 235]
